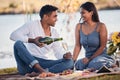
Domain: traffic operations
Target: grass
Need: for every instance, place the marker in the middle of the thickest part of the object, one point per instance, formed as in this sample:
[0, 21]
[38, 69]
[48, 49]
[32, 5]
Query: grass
[104, 77]
[8, 70]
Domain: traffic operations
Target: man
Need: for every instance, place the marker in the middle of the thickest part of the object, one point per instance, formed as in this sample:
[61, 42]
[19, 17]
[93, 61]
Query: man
[33, 56]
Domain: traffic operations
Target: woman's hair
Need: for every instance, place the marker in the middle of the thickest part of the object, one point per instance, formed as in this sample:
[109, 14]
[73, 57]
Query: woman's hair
[89, 6]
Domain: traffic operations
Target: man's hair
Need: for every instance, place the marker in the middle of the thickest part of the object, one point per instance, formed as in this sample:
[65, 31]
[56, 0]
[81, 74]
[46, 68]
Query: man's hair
[47, 9]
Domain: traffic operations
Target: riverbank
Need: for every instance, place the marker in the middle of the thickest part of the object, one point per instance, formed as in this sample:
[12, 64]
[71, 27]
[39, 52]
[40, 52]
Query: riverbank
[65, 6]
[13, 12]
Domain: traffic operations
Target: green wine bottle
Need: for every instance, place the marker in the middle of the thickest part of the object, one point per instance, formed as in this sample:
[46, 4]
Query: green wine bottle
[48, 40]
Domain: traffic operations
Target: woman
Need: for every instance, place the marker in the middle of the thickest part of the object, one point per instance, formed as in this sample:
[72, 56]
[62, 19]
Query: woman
[92, 35]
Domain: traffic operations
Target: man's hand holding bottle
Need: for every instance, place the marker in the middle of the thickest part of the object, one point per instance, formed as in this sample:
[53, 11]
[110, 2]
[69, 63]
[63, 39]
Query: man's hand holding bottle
[40, 41]
[36, 41]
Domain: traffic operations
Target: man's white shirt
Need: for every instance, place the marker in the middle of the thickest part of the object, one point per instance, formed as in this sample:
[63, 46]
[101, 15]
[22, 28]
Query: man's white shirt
[34, 29]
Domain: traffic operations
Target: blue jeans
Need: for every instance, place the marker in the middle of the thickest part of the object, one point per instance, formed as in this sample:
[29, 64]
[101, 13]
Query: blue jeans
[25, 61]
[96, 63]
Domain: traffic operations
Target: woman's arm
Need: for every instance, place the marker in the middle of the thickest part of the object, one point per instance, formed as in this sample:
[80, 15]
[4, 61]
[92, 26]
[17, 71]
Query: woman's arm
[103, 40]
[77, 47]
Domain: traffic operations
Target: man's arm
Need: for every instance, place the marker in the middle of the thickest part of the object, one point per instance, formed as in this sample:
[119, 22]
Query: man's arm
[36, 41]
[21, 33]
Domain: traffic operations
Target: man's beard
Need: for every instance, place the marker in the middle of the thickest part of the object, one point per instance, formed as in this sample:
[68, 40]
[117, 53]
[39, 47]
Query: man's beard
[51, 25]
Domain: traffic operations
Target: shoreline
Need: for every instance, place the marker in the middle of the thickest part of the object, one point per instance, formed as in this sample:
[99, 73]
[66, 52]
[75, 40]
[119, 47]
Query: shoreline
[64, 6]
[110, 8]
[13, 12]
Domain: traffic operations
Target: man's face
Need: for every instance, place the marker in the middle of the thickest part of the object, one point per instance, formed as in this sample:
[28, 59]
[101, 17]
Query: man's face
[52, 18]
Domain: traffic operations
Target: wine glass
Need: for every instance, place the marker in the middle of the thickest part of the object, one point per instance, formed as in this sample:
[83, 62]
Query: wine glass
[65, 46]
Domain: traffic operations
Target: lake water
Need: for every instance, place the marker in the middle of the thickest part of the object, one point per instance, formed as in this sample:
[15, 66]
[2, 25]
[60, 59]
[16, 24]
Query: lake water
[65, 26]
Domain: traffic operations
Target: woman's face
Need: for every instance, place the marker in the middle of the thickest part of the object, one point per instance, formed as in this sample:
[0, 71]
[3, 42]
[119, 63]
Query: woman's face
[85, 14]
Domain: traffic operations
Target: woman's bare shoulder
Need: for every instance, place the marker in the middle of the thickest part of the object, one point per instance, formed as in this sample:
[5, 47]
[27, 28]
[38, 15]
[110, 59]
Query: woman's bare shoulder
[102, 26]
[78, 26]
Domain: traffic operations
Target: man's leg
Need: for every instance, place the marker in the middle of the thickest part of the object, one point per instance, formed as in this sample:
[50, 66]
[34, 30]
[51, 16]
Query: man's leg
[63, 65]
[25, 61]
[79, 65]
[56, 66]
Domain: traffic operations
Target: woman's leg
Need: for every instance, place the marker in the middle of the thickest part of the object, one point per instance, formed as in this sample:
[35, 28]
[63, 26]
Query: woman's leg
[80, 65]
[99, 61]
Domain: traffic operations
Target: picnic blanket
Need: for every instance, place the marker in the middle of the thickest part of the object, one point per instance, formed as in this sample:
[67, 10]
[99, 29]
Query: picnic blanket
[78, 75]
